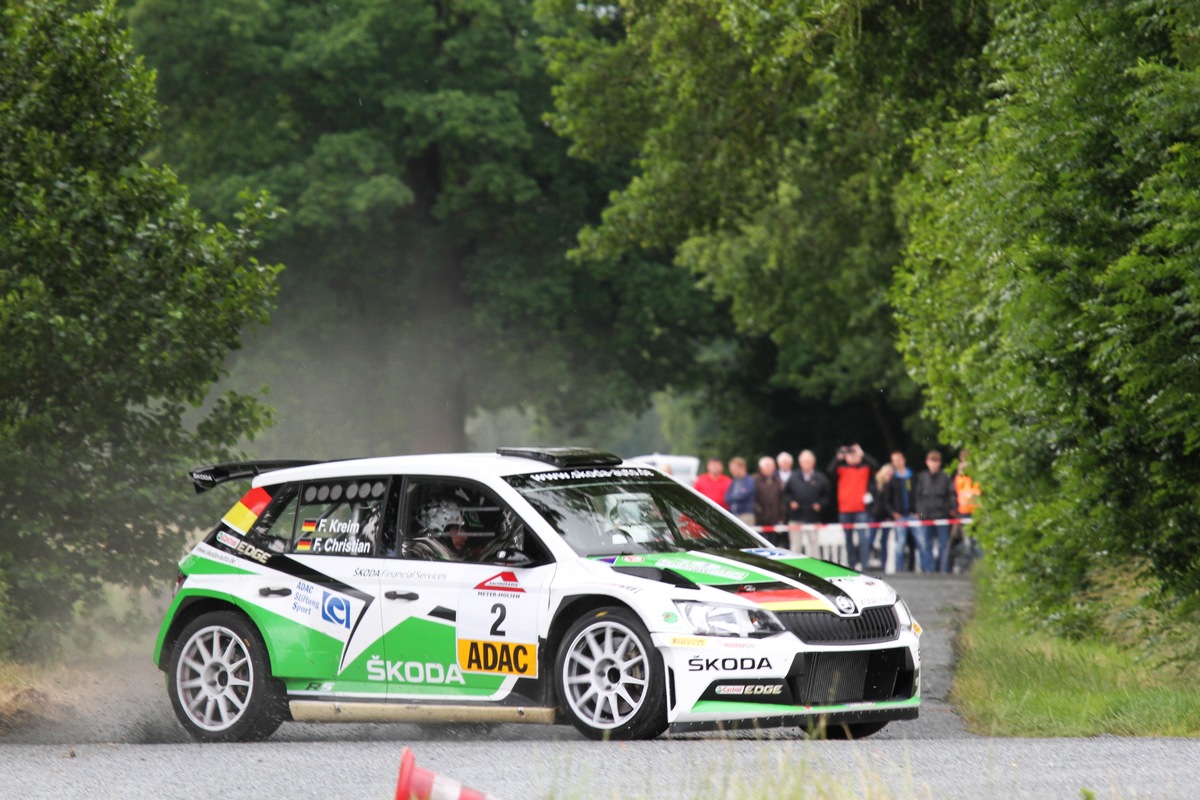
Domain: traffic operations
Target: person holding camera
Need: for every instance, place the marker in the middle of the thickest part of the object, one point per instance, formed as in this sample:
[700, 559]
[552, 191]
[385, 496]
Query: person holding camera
[853, 469]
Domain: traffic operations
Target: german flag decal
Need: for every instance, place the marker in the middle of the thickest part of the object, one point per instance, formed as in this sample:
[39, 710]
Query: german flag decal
[247, 510]
[308, 526]
[787, 600]
[304, 546]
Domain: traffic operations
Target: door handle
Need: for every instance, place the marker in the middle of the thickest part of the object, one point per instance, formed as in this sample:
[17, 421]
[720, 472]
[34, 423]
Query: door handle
[267, 591]
[401, 595]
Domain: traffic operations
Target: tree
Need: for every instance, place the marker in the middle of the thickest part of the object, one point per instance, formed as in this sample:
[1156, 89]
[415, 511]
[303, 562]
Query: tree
[1050, 298]
[430, 212]
[118, 305]
[766, 140]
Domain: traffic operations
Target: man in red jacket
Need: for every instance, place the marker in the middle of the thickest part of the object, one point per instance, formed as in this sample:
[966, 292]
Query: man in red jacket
[714, 483]
[853, 470]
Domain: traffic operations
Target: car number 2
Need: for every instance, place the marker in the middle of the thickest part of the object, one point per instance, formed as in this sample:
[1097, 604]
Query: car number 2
[501, 612]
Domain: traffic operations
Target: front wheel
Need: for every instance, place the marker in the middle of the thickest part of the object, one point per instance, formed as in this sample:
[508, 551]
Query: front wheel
[220, 681]
[610, 677]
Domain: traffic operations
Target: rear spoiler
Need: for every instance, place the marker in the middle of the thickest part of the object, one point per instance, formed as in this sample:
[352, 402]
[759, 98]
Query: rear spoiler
[205, 478]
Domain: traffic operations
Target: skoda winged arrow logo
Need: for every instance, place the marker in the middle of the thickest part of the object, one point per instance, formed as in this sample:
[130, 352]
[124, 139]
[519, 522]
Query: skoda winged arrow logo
[844, 604]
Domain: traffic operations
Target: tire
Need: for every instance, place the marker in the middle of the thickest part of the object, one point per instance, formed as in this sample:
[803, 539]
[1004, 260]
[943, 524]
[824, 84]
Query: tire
[220, 683]
[847, 730]
[610, 677]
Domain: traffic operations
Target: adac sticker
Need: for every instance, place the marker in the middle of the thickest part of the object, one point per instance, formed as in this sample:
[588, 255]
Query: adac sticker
[500, 658]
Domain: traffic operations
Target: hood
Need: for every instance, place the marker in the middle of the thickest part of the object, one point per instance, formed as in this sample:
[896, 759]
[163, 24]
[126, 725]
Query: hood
[775, 579]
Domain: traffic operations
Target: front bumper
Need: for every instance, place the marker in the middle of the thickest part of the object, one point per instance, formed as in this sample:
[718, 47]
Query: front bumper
[782, 681]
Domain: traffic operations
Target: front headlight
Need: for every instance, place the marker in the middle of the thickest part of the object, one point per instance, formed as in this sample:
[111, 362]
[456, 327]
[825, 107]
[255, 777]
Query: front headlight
[907, 623]
[709, 619]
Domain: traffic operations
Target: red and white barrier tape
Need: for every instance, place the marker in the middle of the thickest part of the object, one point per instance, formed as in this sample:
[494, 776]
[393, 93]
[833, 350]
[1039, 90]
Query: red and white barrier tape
[810, 526]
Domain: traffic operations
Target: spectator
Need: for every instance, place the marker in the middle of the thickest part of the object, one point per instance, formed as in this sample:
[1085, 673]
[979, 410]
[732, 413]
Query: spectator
[739, 495]
[714, 482]
[853, 469]
[769, 508]
[879, 510]
[966, 490]
[785, 467]
[807, 494]
[910, 538]
[936, 501]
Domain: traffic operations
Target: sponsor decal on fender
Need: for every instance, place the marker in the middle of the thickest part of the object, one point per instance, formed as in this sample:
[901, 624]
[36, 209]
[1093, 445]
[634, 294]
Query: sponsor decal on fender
[701, 664]
[502, 658]
[688, 641]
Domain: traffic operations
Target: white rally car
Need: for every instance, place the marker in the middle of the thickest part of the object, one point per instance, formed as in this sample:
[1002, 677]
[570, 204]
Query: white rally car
[530, 585]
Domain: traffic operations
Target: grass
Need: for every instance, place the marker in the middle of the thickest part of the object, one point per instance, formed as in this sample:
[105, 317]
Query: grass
[1016, 680]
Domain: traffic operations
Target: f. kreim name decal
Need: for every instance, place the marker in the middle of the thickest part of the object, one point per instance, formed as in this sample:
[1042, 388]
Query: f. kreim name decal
[502, 584]
[500, 658]
[336, 527]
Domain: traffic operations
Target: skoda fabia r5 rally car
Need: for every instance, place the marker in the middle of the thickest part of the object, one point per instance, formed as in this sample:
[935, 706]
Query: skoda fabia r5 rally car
[530, 585]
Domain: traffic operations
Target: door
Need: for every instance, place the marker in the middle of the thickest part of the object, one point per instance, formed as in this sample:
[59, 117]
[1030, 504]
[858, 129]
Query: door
[464, 600]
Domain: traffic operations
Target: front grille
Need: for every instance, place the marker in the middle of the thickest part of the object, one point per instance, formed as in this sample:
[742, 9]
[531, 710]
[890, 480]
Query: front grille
[878, 624]
[866, 676]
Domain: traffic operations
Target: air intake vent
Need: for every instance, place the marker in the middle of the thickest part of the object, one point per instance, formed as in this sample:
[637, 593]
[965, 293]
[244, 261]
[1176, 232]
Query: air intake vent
[878, 624]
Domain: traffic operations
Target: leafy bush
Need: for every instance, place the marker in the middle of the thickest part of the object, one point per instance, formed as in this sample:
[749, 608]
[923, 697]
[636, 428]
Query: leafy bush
[118, 305]
[1050, 298]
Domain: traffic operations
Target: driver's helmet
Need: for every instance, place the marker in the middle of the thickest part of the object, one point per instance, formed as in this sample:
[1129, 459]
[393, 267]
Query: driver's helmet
[439, 514]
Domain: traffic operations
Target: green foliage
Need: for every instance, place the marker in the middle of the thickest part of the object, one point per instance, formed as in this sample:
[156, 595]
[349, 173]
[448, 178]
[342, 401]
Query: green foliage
[431, 211]
[1050, 298]
[1014, 681]
[766, 141]
[118, 305]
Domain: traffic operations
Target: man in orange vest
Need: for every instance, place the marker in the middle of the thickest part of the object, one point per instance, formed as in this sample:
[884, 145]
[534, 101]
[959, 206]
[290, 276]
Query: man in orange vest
[967, 490]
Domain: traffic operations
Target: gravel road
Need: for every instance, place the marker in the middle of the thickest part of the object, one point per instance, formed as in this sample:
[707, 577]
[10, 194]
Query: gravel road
[120, 739]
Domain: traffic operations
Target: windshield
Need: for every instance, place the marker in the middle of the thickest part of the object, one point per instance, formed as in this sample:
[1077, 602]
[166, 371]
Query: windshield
[604, 512]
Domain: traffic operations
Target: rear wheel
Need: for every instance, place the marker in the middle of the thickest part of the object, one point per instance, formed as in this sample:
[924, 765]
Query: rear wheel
[220, 681]
[610, 677]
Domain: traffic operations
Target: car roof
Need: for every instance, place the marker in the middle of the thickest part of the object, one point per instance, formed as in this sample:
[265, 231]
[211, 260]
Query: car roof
[477, 466]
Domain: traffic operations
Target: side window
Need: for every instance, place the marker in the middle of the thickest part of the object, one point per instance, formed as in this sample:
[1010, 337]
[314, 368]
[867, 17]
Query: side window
[272, 531]
[342, 517]
[446, 520]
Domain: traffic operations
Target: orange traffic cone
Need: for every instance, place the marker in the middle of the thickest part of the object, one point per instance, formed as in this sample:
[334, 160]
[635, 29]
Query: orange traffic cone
[421, 784]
